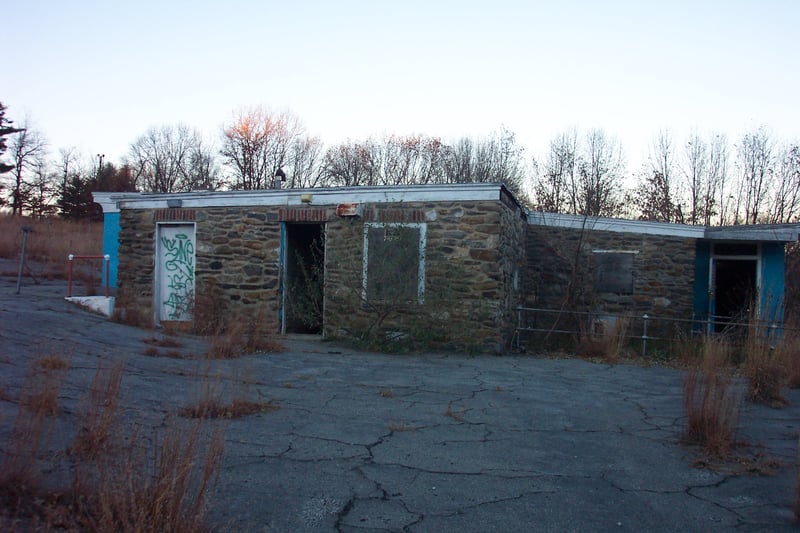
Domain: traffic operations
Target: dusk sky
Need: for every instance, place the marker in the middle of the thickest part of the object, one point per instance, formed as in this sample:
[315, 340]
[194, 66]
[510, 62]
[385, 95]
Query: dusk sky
[96, 75]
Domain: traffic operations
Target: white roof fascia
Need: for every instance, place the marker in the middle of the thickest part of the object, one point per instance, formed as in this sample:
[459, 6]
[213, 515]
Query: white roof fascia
[755, 232]
[559, 220]
[318, 197]
[109, 200]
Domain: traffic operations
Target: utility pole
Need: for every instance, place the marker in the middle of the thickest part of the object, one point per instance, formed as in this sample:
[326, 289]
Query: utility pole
[100, 157]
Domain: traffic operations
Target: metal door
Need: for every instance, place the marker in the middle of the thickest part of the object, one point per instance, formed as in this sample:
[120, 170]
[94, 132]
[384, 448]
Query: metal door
[175, 263]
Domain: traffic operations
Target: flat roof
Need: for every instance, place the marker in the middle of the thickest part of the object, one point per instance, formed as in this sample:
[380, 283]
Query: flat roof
[461, 192]
[754, 232]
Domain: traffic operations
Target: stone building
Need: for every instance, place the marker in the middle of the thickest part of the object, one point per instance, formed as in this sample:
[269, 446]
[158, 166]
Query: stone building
[440, 262]
[447, 264]
[685, 277]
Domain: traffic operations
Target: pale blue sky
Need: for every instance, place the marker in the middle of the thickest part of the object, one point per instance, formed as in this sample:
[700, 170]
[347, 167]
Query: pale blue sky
[96, 75]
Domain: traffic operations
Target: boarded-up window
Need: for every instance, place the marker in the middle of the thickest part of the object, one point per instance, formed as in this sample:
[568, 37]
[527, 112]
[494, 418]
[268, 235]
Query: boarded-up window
[394, 262]
[613, 272]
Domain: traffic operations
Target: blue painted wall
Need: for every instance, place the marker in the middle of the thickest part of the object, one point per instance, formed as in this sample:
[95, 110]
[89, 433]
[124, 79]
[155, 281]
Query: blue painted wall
[111, 231]
[702, 264]
[772, 281]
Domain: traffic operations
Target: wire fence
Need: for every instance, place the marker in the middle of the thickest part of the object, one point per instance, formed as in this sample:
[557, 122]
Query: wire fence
[643, 328]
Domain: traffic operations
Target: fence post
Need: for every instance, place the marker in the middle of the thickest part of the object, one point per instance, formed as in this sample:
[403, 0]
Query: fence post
[25, 231]
[644, 334]
[70, 257]
[107, 259]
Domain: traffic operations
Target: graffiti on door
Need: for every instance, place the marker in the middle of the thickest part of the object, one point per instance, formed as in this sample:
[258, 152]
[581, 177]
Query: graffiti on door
[178, 261]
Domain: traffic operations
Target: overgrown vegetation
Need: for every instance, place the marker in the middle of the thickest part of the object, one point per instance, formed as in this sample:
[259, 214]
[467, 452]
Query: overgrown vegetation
[114, 476]
[50, 241]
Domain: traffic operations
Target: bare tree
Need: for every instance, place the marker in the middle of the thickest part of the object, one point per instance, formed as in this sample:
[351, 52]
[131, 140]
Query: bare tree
[755, 166]
[203, 169]
[785, 203]
[40, 191]
[555, 186]
[165, 158]
[304, 163]
[353, 164]
[600, 170]
[256, 145]
[655, 194]
[718, 183]
[27, 146]
[495, 158]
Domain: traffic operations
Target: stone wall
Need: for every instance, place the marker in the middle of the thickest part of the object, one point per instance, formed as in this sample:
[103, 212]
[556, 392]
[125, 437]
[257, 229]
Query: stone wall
[474, 251]
[561, 274]
[469, 290]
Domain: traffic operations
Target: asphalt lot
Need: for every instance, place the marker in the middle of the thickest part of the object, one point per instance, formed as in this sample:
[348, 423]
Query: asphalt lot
[434, 442]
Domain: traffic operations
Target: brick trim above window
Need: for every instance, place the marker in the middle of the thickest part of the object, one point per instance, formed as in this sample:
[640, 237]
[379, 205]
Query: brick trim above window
[174, 215]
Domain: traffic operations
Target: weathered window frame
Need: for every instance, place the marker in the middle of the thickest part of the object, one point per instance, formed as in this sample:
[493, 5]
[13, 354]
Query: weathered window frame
[422, 229]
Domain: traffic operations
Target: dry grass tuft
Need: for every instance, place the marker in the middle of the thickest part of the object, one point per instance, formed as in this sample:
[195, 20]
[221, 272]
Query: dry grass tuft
[99, 412]
[455, 415]
[240, 336]
[163, 342]
[711, 401]
[399, 427]
[52, 362]
[237, 408]
[607, 341]
[763, 368]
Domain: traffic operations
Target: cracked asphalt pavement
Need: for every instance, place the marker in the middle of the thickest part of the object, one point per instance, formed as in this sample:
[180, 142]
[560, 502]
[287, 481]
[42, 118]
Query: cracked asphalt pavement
[432, 442]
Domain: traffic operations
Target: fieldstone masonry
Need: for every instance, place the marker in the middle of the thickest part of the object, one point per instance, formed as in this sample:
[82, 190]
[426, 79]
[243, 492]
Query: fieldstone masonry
[561, 273]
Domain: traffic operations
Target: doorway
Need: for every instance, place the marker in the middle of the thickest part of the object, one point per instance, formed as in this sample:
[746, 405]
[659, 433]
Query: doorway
[304, 278]
[734, 291]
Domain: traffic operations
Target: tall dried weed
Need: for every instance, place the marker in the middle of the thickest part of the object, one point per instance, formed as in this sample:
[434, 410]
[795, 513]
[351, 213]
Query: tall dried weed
[606, 340]
[763, 367]
[122, 479]
[711, 401]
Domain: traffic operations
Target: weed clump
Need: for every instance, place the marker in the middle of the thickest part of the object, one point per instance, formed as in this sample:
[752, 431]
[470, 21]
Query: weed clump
[711, 401]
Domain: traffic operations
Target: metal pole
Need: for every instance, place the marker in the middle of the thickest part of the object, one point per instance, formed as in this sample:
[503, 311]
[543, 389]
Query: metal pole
[107, 259]
[25, 231]
[644, 334]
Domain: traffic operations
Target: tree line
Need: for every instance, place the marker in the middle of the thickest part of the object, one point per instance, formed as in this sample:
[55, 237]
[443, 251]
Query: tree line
[702, 179]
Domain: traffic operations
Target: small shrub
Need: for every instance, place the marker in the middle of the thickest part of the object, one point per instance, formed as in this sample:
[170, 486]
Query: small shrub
[711, 402]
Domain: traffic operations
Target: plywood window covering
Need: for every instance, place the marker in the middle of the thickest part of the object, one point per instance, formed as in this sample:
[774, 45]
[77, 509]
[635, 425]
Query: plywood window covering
[394, 263]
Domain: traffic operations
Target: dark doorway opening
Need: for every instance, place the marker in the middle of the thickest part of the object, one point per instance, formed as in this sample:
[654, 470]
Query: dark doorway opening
[305, 278]
[734, 290]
